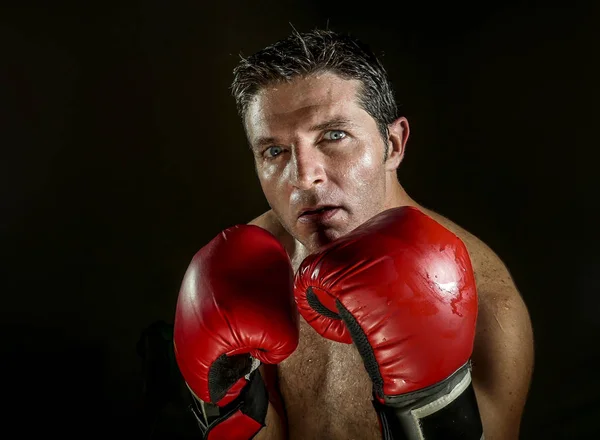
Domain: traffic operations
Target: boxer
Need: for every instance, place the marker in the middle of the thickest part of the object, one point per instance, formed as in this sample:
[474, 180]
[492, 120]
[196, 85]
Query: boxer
[409, 342]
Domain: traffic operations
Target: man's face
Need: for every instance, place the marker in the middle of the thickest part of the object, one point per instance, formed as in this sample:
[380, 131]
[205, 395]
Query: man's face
[319, 157]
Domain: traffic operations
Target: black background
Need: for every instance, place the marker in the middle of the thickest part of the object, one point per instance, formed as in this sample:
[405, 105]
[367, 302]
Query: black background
[122, 154]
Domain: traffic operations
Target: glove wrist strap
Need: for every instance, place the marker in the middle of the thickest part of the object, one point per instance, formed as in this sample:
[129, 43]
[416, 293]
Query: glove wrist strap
[241, 419]
[447, 410]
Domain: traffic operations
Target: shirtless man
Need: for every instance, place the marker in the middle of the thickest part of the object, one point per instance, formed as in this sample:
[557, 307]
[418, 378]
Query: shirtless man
[320, 118]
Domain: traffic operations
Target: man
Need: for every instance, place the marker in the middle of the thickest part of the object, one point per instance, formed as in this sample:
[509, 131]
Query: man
[321, 120]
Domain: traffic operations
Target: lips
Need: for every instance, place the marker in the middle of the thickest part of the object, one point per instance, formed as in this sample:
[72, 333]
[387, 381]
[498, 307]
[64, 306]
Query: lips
[317, 210]
[318, 213]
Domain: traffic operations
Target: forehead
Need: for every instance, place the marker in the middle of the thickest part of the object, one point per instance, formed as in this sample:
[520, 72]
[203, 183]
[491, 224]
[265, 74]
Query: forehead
[302, 102]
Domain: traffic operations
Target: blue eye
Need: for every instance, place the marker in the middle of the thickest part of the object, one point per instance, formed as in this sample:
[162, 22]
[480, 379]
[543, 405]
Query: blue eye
[335, 135]
[273, 151]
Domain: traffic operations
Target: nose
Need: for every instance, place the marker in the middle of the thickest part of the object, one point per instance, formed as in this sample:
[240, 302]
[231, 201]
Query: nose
[308, 169]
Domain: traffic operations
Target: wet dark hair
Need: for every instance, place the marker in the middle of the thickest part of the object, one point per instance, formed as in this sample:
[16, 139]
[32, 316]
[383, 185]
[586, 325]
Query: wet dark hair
[318, 51]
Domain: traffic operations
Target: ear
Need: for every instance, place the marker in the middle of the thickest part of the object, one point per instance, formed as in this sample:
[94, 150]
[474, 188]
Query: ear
[399, 131]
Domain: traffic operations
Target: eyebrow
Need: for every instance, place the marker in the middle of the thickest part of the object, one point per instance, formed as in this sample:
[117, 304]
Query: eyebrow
[333, 123]
[336, 122]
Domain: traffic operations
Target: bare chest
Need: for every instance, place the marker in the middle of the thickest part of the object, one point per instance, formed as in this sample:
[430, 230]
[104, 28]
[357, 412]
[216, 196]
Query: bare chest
[326, 390]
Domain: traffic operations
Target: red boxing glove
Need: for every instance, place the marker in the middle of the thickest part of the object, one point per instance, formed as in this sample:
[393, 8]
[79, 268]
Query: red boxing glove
[235, 309]
[401, 287]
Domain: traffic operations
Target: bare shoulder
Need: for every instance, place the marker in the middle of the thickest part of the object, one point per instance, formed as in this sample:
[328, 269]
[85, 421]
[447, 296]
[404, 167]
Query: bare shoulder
[503, 354]
[496, 288]
[487, 265]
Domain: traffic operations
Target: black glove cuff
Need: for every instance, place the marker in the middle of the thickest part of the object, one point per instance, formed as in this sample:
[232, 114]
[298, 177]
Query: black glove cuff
[447, 410]
[253, 402]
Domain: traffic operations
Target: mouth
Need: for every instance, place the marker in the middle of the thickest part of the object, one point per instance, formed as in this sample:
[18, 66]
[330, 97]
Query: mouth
[318, 213]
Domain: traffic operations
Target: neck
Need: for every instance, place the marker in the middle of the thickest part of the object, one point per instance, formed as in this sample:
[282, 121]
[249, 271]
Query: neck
[396, 196]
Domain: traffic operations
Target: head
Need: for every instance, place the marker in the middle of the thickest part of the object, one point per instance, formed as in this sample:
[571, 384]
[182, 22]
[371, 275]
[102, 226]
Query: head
[322, 123]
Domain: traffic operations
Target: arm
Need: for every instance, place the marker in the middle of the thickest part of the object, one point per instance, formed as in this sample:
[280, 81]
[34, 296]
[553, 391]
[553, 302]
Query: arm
[275, 427]
[276, 420]
[503, 354]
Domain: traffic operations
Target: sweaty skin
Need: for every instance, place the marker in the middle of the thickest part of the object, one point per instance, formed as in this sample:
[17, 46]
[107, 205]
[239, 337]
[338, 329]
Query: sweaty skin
[314, 147]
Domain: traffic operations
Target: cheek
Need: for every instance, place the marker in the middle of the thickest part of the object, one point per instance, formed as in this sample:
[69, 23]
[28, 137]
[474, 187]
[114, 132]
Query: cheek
[266, 173]
[271, 178]
[363, 168]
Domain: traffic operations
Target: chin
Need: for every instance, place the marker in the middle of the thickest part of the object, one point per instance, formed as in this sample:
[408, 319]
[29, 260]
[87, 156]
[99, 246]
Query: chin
[315, 237]
[321, 238]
